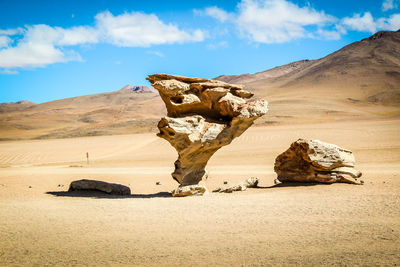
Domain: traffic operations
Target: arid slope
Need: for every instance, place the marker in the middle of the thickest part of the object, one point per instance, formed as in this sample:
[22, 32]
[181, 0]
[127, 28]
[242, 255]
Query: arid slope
[359, 81]
[123, 111]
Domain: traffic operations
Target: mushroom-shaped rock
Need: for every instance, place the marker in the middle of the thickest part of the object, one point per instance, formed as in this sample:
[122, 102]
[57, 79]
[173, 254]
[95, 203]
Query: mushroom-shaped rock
[316, 161]
[203, 116]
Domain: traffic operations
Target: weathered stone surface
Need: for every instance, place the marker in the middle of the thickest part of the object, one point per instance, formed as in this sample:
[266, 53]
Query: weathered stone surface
[203, 116]
[249, 183]
[316, 161]
[109, 188]
[190, 190]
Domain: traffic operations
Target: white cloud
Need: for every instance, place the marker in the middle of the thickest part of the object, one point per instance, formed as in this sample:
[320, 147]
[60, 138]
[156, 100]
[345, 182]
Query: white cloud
[77, 35]
[392, 23]
[367, 23]
[216, 13]
[5, 41]
[273, 21]
[11, 31]
[139, 29]
[277, 21]
[389, 4]
[329, 35]
[27, 54]
[360, 23]
[41, 44]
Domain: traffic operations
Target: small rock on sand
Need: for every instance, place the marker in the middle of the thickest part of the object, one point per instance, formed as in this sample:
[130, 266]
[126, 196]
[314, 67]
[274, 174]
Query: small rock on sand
[109, 188]
[249, 183]
[190, 190]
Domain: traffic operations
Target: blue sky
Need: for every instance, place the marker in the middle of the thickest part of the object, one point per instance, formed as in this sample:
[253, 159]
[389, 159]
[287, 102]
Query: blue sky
[57, 49]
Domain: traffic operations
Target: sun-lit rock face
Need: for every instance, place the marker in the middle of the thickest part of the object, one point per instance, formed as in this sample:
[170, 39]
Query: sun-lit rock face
[203, 116]
[316, 161]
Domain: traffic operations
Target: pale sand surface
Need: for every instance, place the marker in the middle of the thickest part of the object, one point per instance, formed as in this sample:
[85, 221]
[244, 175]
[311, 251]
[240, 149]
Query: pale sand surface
[337, 224]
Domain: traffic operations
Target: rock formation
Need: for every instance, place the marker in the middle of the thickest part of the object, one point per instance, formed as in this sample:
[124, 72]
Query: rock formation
[249, 183]
[112, 189]
[203, 116]
[316, 161]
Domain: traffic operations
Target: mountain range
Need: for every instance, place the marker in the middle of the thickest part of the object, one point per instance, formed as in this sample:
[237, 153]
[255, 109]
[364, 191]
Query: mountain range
[361, 81]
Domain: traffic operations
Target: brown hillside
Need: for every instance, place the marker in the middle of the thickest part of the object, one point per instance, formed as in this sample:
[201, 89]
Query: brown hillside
[359, 81]
[100, 114]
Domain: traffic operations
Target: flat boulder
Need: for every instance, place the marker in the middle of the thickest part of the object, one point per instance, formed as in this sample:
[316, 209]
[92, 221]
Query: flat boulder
[109, 188]
[316, 161]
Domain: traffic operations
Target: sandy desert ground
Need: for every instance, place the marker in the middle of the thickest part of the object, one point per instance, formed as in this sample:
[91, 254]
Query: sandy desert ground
[294, 225]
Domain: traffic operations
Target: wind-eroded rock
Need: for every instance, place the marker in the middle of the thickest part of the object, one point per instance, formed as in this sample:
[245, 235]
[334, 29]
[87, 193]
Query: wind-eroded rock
[109, 188]
[203, 116]
[316, 161]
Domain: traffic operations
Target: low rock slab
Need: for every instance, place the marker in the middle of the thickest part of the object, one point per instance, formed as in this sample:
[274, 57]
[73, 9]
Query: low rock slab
[109, 188]
[190, 190]
[249, 183]
[316, 161]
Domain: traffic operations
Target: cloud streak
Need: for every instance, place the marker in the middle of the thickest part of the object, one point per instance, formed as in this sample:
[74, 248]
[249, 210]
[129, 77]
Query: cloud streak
[41, 45]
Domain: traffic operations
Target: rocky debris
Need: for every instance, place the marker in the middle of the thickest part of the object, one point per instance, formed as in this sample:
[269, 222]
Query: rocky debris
[109, 188]
[249, 183]
[190, 190]
[203, 116]
[158, 183]
[316, 161]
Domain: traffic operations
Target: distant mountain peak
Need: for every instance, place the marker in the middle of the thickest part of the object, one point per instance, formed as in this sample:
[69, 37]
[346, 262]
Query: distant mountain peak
[21, 102]
[137, 89]
[25, 102]
[382, 34]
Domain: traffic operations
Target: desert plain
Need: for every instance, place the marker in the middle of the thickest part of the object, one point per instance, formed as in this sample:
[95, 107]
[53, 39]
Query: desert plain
[295, 224]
